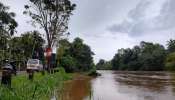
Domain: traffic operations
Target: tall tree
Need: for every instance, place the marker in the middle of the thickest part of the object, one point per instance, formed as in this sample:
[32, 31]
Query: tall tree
[52, 16]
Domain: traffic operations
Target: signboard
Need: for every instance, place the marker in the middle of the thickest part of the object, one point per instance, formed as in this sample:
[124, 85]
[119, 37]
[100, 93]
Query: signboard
[48, 52]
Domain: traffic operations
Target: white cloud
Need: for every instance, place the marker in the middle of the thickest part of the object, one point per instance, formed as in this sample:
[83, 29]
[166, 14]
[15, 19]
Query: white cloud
[146, 17]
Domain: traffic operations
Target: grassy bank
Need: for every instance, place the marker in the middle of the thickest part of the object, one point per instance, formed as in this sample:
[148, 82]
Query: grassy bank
[41, 88]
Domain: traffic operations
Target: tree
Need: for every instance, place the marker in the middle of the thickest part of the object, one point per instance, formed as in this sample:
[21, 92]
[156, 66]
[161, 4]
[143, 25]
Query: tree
[64, 46]
[28, 45]
[103, 65]
[76, 53]
[115, 62]
[171, 46]
[52, 16]
[135, 63]
[68, 63]
[3, 46]
[152, 56]
[83, 54]
[16, 48]
[170, 62]
[32, 44]
[147, 56]
[7, 29]
[7, 21]
[100, 64]
[170, 59]
[125, 59]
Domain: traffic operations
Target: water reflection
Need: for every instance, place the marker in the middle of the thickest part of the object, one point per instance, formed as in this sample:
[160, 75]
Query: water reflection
[77, 89]
[116, 85]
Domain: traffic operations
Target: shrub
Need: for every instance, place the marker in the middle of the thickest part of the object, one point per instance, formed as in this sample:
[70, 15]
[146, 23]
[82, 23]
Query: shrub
[93, 72]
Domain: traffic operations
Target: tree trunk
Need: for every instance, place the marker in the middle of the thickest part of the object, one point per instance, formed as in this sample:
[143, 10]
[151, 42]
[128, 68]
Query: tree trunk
[48, 61]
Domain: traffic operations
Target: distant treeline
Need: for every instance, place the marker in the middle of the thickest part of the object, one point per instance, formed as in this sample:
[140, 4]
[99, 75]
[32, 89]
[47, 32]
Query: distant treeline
[144, 57]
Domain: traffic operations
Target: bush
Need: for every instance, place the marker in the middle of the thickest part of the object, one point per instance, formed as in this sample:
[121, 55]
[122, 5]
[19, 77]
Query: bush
[93, 72]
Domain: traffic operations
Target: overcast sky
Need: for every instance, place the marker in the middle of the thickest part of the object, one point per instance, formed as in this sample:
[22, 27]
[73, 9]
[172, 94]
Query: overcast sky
[107, 25]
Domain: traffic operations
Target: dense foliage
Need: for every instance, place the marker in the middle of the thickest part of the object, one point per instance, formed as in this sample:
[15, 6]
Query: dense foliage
[147, 56]
[7, 21]
[75, 56]
[170, 59]
[32, 43]
[170, 62]
[28, 45]
[171, 46]
[103, 65]
[18, 49]
[7, 29]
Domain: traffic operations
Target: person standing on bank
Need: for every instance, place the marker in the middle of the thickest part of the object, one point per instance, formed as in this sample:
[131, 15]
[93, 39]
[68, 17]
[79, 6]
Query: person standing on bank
[7, 71]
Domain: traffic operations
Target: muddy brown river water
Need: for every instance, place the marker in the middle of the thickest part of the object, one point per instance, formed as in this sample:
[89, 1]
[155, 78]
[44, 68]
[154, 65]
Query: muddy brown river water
[116, 85]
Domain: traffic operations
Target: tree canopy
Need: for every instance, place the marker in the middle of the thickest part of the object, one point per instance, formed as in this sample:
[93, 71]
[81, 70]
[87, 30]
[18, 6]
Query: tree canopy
[103, 65]
[170, 62]
[7, 21]
[147, 56]
[171, 46]
[52, 16]
[76, 54]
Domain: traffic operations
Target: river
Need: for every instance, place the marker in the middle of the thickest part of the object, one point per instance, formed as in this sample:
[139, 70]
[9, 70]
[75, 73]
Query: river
[118, 85]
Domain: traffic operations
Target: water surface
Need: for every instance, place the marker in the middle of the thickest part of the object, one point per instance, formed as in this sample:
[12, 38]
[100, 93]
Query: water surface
[116, 85]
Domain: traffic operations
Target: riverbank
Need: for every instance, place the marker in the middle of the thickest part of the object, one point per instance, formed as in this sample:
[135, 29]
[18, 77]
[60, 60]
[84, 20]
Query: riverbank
[42, 87]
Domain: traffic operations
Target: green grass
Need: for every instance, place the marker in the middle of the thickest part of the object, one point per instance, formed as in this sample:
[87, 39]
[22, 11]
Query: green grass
[41, 88]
